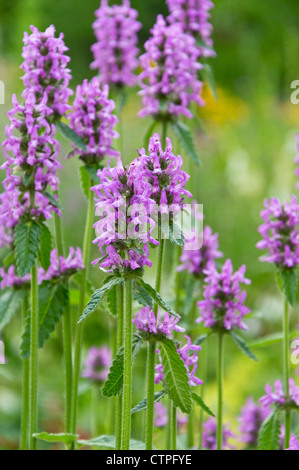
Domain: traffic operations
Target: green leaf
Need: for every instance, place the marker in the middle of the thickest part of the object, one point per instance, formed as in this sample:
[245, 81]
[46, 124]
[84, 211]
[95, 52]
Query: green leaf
[201, 339]
[92, 170]
[175, 376]
[114, 383]
[150, 133]
[45, 247]
[77, 279]
[176, 236]
[112, 301]
[9, 259]
[142, 405]
[84, 180]
[199, 401]
[98, 296]
[287, 281]
[269, 433]
[65, 438]
[52, 199]
[209, 78]
[108, 442]
[71, 135]
[157, 298]
[27, 240]
[52, 300]
[271, 339]
[10, 303]
[185, 137]
[243, 346]
[141, 295]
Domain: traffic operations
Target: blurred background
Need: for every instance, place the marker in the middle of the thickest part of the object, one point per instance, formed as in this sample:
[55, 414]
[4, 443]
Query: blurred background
[247, 147]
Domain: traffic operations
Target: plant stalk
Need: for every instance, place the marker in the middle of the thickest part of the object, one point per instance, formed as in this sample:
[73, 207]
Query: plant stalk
[25, 389]
[286, 370]
[119, 343]
[220, 391]
[33, 372]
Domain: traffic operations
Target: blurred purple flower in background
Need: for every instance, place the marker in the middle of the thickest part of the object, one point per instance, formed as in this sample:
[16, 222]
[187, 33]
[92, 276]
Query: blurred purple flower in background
[294, 444]
[97, 364]
[209, 440]
[251, 419]
[277, 396]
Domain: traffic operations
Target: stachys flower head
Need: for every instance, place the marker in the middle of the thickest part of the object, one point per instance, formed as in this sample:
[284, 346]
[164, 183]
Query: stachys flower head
[209, 439]
[251, 419]
[223, 304]
[294, 444]
[97, 364]
[46, 73]
[194, 18]
[277, 396]
[115, 52]
[280, 233]
[93, 120]
[169, 78]
[161, 417]
[64, 267]
[148, 325]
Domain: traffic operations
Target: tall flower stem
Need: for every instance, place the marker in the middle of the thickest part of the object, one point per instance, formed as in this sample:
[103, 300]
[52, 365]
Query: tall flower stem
[33, 373]
[173, 427]
[119, 343]
[203, 374]
[127, 388]
[286, 370]
[67, 336]
[220, 390]
[168, 428]
[25, 389]
[151, 355]
[79, 327]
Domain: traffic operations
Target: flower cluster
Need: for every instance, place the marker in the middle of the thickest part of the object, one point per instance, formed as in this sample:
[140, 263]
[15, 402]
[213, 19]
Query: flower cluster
[280, 233]
[223, 304]
[294, 444]
[251, 419]
[97, 364]
[194, 16]
[147, 323]
[92, 119]
[190, 361]
[10, 278]
[169, 78]
[46, 74]
[161, 417]
[277, 396]
[209, 439]
[197, 262]
[115, 52]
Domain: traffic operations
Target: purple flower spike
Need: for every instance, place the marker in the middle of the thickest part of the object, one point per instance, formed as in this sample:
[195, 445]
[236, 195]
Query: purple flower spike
[209, 440]
[223, 304]
[161, 417]
[147, 323]
[115, 52]
[9, 278]
[93, 120]
[294, 444]
[169, 79]
[280, 233]
[251, 419]
[61, 266]
[194, 16]
[46, 73]
[277, 396]
[97, 364]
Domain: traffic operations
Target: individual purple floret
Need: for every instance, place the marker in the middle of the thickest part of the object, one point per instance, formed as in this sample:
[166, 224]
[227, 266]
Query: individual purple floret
[97, 364]
[46, 73]
[169, 79]
[209, 439]
[194, 18]
[223, 304]
[115, 52]
[93, 120]
[277, 396]
[147, 323]
[196, 262]
[251, 419]
[64, 267]
[162, 171]
[294, 444]
[280, 233]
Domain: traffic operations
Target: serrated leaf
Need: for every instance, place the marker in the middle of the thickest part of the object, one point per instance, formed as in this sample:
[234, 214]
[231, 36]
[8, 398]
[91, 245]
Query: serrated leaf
[92, 170]
[267, 340]
[71, 135]
[175, 376]
[52, 300]
[185, 137]
[149, 133]
[27, 240]
[243, 346]
[112, 301]
[45, 247]
[269, 433]
[287, 281]
[52, 199]
[84, 180]
[108, 442]
[157, 298]
[65, 438]
[209, 78]
[141, 295]
[199, 401]
[10, 303]
[176, 236]
[114, 383]
[98, 296]
[142, 405]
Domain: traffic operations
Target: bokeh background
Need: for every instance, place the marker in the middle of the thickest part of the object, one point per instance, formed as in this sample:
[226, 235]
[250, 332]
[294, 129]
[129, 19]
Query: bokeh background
[247, 147]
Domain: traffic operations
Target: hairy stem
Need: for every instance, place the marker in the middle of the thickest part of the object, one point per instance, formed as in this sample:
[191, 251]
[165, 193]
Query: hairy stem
[151, 356]
[220, 391]
[119, 343]
[286, 370]
[25, 389]
[173, 427]
[33, 373]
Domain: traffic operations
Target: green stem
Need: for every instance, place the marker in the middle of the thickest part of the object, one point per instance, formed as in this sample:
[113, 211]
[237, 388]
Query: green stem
[286, 370]
[159, 268]
[173, 427]
[119, 343]
[127, 388]
[94, 409]
[220, 391]
[168, 428]
[79, 326]
[67, 336]
[203, 376]
[33, 373]
[25, 390]
[151, 356]
[164, 132]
